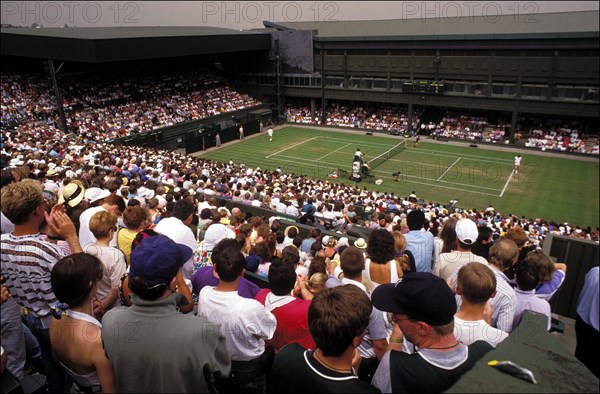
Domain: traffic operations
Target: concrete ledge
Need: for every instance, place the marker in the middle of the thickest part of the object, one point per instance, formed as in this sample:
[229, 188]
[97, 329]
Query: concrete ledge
[531, 346]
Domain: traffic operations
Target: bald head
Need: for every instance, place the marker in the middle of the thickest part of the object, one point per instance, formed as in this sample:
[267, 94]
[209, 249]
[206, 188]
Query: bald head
[503, 254]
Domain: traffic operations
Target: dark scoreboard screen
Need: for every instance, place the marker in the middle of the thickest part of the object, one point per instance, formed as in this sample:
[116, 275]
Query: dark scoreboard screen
[429, 87]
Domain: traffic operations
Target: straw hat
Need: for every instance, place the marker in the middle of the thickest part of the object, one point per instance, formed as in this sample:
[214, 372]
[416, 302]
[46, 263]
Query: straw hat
[72, 193]
[360, 243]
[287, 230]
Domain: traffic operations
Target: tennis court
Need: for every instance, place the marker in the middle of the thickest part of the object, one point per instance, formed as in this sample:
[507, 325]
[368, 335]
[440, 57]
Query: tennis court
[437, 172]
[465, 173]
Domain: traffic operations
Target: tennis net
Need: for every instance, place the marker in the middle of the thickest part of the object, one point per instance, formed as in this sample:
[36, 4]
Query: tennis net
[376, 161]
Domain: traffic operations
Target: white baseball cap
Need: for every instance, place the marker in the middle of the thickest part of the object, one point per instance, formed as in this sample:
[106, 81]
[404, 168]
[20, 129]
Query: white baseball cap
[466, 231]
[94, 194]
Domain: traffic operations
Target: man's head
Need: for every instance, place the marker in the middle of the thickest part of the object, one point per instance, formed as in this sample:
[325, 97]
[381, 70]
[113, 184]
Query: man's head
[527, 275]
[423, 298]
[415, 219]
[114, 204]
[466, 233]
[282, 278]
[154, 266]
[533, 270]
[20, 200]
[476, 283]
[352, 262]
[337, 319]
[503, 254]
[103, 224]
[183, 209]
[290, 254]
[517, 234]
[134, 217]
[485, 234]
[229, 262]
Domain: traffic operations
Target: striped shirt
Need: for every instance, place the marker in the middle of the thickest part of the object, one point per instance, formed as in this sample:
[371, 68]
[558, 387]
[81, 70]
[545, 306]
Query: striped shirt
[27, 262]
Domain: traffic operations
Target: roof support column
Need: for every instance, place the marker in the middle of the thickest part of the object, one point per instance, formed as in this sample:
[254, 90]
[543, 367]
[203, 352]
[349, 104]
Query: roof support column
[51, 72]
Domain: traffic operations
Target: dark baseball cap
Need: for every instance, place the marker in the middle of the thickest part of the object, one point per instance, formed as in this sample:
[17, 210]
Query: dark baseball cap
[420, 295]
[157, 259]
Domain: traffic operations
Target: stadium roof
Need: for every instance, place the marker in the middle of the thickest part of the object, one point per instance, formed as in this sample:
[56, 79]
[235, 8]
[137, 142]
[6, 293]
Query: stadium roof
[535, 26]
[103, 44]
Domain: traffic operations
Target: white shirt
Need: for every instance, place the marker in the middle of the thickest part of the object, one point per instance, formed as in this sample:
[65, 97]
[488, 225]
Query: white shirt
[245, 323]
[181, 234]
[468, 332]
[518, 160]
[113, 268]
[448, 263]
[6, 225]
[292, 211]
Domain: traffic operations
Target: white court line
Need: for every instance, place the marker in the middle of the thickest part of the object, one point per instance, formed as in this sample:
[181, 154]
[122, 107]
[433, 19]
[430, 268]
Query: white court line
[331, 153]
[448, 169]
[444, 187]
[507, 181]
[412, 176]
[311, 162]
[290, 147]
[470, 157]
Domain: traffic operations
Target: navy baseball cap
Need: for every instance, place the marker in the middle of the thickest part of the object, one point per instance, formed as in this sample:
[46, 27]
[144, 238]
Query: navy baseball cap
[420, 295]
[252, 262]
[157, 259]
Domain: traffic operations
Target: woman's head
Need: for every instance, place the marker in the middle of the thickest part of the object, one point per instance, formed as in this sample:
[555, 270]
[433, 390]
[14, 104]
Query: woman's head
[73, 278]
[448, 235]
[399, 241]
[380, 247]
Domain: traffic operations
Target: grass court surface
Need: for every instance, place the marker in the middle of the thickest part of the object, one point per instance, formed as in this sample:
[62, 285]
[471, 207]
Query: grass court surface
[559, 189]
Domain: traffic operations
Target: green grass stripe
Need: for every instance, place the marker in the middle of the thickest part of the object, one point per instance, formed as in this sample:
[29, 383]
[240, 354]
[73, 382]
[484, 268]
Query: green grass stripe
[560, 189]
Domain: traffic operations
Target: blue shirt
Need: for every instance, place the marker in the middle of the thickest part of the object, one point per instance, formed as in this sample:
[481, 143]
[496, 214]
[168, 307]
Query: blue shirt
[420, 243]
[587, 306]
[306, 244]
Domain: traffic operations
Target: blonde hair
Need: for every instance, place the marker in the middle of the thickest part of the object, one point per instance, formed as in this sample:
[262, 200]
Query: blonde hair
[400, 247]
[102, 223]
[20, 199]
[316, 283]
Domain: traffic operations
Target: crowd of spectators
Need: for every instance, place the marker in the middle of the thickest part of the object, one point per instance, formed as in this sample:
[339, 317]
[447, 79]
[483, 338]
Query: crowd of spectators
[388, 118]
[43, 151]
[85, 187]
[561, 139]
[119, 107]
[451, 125]
[161, 250]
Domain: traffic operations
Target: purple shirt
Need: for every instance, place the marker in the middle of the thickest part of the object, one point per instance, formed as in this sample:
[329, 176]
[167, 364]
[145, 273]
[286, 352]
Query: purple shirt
[547, 289]
[527, 300]
[204, 277]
